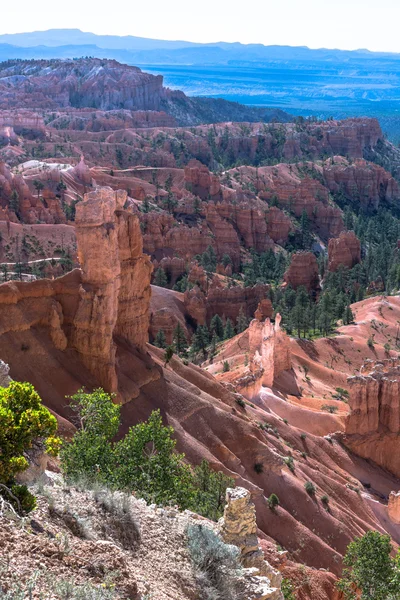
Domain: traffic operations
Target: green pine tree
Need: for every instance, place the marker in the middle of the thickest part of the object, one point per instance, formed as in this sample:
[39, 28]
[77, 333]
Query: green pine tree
[160, 278]
[160, 340]
[217, 326]
[229, 331]
[241, 321]
[179, 339]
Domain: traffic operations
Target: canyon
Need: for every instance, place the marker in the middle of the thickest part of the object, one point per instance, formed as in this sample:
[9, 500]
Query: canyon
[118, 225]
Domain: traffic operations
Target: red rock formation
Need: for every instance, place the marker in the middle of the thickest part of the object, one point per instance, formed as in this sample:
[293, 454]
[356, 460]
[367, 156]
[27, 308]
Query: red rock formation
[115, 292]
[198, 276]
[303, 271]
[201, 182]
[195, 305]
[269, 349]
[296, 188]
[94, 121]
[344, 251]
[279, 225]
[71, 82]
[174, 268]
[361, 181]
[394, 507]
[264, 310]
[228, 302]
[23, 122]
[163, 319]
[373, 426]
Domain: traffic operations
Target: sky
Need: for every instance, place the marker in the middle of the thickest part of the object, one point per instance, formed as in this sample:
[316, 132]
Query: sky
[344, 24]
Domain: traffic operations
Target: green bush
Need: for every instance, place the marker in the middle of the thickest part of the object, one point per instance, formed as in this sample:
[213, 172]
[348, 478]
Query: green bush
[290, 463]
[325, 500]
[370, 568]
[144, 460]
[287, 589]
[273, 501]
[310, 488]
[241, 402]
[23, 421]
[331, 408]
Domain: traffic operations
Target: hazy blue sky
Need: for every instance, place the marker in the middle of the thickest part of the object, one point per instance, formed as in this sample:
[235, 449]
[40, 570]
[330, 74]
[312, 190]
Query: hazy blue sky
[348, 24]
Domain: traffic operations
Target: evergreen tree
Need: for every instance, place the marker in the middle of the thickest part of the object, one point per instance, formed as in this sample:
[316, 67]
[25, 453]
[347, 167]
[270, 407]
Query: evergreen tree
[325, 316]
[241, 321]
[160, 340]
[209, 259]
[229, 331]
[305, 230]
[38, 185]
[179, 338]
[197, 205]
[14, 202]
[201, 340]
[213, 344]
[160, 278]
[226, 260]
[348, 316]
[217, 327]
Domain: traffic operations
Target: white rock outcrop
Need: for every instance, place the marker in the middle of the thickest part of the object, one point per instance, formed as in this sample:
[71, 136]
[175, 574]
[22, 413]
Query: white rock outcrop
[238, 527]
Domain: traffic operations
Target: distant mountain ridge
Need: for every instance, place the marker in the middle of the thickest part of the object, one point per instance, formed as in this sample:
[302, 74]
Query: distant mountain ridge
[65, 41]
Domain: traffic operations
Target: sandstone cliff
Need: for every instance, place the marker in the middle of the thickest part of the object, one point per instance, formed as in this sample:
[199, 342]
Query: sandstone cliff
[373, 425]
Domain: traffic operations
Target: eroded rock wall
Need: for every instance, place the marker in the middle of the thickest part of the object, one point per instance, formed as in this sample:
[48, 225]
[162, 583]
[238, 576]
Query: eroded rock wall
[373, 425]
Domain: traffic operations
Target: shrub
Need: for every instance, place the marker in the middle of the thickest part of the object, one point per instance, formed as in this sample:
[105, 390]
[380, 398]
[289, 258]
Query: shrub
[210, 491]
[287, 589]
[370, 342]
[290, 463]
[144, 460]
[310, 488]
[258, 467]
[273, 501]
[168, 354]
[90, 453]
[216, 564]
[226, 367]
[370, 569]
[331, 408]
[23, 421]
[325, 500]
[241, 402]
[303, 436]
[38, 585]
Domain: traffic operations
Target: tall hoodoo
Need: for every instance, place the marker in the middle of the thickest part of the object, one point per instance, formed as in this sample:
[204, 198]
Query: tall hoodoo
[115, 290]
[269, 349]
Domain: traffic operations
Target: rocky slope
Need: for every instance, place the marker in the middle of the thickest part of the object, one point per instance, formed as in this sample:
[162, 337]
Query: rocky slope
[47, 331]
[88, 542]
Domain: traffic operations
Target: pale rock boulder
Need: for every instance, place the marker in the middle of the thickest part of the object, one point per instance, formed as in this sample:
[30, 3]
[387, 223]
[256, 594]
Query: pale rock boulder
[394, 507]
[238, 527]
